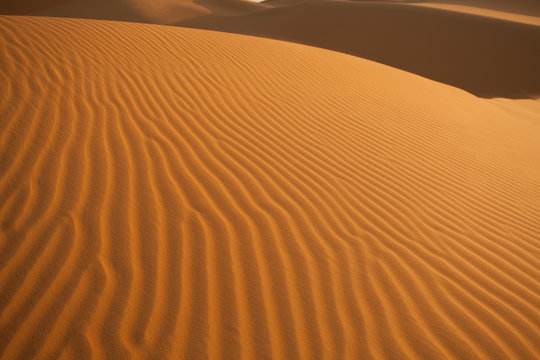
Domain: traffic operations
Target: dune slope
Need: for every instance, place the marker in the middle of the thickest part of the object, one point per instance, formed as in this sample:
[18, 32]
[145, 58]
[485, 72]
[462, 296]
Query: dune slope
[485, 56]
[527, 18]
[523, 7]
[180, 193]
[155, 11]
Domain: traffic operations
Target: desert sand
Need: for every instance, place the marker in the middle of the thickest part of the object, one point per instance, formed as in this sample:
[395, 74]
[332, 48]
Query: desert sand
[169, 192]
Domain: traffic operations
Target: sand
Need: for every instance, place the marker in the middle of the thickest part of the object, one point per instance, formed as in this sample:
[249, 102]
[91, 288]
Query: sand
[485, 54]
[145, 11]
[485, 12]
[177, 193]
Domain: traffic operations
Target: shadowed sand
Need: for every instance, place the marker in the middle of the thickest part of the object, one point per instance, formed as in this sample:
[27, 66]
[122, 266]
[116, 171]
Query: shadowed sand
[187, 194]
[519, 7]
[486, 47]
[154, 11]
[485, 12]
[484, 55]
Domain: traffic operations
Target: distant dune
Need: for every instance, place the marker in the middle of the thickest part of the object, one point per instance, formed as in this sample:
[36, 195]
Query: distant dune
[489, 57]
[522, 7]
[154, 11]
[484, 12]
[187, 194]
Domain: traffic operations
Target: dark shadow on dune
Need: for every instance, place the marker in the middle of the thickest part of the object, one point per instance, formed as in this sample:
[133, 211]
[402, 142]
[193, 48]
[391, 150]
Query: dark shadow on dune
[484, 56]
[24, 7]
[123, 10]
[120, 10]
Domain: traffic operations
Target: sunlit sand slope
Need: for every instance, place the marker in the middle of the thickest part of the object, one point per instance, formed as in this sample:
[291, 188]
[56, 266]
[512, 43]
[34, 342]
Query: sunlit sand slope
[186, 194]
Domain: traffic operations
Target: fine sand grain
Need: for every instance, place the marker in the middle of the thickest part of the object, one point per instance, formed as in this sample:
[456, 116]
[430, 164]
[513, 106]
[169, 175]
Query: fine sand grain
[187, 194]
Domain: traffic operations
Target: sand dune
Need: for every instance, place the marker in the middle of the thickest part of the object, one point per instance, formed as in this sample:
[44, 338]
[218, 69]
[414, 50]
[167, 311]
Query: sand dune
[155, 11]
[489, 13]
[180, 193]
[488, 57]
[523, 7]
[487, 48]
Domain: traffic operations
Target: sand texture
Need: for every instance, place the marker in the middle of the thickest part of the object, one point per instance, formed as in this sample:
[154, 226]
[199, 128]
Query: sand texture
[485, 54]
[176, 193]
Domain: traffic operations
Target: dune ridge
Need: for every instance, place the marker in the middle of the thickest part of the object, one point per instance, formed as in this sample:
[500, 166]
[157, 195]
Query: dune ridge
[487, 48]
[519, 7]
[526, 18]
[487, 56]
[180, 193]
[155, 11]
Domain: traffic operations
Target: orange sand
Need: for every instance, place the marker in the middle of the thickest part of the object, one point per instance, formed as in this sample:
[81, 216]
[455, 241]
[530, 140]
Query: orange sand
[186, 194]
[485, 54]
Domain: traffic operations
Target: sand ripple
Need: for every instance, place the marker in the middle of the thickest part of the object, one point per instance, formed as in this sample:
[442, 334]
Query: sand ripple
[179, 193]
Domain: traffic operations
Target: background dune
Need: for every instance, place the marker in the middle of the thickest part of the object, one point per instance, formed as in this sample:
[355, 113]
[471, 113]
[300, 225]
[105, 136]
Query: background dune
[486, 56]
[155, 11]
[523, 7]
[180, 193]
[485, 12]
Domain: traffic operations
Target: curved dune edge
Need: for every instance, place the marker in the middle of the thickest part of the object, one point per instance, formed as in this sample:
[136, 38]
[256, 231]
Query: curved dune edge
[490, 13]
[486, 56]
[180, 193]
[145, 11]
[516, 7]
